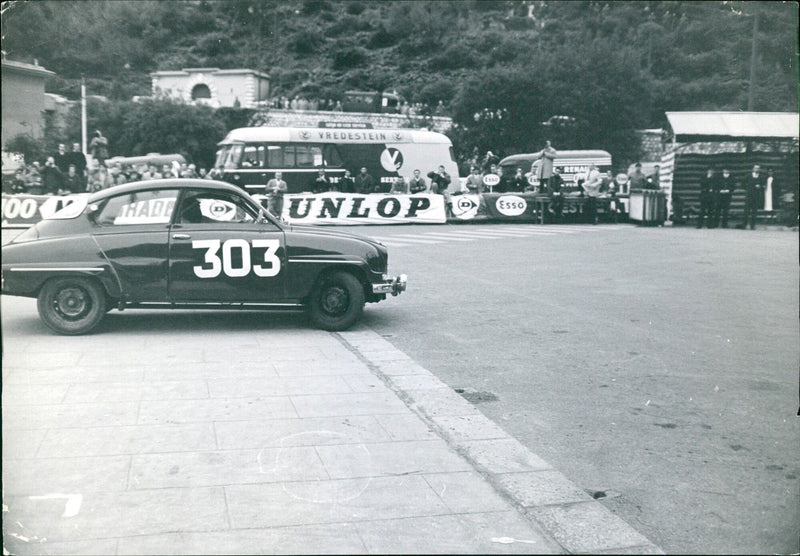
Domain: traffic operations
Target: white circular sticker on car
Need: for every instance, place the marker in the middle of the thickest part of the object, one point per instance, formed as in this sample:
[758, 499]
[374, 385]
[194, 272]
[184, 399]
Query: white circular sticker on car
[217, 209]
[511, 205]
[391, 159]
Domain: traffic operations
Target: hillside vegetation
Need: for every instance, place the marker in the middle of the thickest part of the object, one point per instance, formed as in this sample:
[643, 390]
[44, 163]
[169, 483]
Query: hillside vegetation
[502, 68]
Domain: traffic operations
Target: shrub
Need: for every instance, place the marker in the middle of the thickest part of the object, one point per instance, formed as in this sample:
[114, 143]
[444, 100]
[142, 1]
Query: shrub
[305, 43]
[349, 58]
[355, 8]
[382, 38]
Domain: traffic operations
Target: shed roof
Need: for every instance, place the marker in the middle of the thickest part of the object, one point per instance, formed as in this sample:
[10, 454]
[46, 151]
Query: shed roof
[782, 125]
[22, 67]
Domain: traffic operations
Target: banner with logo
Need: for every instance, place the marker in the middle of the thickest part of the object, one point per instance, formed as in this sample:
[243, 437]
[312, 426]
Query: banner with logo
[510, 206]
[356, 209]
[465, 207]
[22, 211]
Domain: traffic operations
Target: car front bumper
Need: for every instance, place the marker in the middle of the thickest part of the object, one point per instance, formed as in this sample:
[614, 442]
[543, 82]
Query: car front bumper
[393, 285]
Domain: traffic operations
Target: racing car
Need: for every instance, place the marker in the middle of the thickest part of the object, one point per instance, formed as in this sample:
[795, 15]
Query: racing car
[182, 243]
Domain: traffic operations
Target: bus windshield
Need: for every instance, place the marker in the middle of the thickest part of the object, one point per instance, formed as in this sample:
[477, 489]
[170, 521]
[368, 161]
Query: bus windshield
[228, 156]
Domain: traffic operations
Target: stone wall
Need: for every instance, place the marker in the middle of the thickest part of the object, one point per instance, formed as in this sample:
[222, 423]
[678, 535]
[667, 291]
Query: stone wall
[276, 117]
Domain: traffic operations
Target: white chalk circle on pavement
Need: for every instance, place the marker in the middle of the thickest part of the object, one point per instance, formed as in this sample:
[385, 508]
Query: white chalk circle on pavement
[320, 492]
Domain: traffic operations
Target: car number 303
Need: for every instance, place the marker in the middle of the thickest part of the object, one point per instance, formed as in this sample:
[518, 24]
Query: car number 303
[220, 256]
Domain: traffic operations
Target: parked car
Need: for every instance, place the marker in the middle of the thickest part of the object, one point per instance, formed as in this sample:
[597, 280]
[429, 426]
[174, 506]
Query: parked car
[186, 243]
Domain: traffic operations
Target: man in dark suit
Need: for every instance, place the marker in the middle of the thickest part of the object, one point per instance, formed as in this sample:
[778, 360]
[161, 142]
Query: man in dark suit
[707, 185]
[723, 193]
[365, 183]
[754, 199]
[556, 196]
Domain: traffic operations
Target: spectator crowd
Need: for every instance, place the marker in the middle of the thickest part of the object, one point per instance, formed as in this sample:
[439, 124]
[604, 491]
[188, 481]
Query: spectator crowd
[71, 171]
[313, 104]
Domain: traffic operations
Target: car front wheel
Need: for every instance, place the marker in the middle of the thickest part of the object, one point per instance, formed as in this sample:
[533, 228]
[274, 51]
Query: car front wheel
[72, 305]
[337, 302]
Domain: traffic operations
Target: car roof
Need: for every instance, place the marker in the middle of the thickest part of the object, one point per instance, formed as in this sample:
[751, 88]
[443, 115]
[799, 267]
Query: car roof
[174, 183]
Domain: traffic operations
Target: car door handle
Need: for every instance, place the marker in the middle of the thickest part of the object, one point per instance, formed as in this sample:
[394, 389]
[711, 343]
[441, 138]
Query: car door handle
[181, 236]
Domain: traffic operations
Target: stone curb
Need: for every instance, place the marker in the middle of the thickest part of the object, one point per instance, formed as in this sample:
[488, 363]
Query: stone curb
[575, 520]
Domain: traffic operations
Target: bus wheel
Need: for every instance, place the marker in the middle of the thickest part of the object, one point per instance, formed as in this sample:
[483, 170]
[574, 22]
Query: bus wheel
[337, 302]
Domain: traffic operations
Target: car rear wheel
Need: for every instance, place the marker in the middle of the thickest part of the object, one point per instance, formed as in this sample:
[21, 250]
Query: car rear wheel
[337, 302]
[72, 305]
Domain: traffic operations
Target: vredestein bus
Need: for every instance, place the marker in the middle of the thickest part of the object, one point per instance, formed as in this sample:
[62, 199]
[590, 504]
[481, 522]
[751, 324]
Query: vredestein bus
[249, 157]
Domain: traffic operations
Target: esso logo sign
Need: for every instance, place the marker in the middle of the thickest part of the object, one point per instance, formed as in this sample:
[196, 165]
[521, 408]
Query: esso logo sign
[391, 159]
[491, 179]
[511, 205]
[533, 180]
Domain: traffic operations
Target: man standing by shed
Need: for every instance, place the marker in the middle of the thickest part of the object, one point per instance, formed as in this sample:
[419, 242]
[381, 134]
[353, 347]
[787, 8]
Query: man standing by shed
[754, 196]
[724, 192]
[707, 190]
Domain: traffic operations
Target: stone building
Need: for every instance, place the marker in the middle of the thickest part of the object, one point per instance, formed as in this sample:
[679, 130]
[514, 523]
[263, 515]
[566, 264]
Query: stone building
[23, 99]
[215, 87]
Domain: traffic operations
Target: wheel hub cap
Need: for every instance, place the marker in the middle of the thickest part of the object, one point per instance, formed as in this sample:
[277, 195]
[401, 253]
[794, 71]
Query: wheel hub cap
[71, 302]
[334, 300]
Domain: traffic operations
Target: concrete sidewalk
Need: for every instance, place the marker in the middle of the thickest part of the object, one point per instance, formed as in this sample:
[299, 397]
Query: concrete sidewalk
[156, 437]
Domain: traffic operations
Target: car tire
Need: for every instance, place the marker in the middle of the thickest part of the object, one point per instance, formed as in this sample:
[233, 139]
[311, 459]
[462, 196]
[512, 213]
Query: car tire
[72, 305]
[336, 302]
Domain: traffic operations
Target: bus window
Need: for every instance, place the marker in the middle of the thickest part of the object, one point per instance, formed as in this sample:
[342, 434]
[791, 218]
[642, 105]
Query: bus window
[308, 156]
[250, 157]
[274, 156]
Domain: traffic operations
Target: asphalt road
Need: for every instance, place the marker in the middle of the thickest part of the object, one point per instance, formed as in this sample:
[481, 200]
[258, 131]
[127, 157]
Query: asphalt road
[655, 367]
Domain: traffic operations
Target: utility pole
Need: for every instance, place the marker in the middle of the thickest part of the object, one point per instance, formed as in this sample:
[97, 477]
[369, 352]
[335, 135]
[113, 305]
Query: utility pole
[753, 51]
[83, 115]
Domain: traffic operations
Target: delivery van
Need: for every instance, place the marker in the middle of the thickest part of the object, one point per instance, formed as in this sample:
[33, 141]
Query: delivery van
[249, 157]
[573, 165]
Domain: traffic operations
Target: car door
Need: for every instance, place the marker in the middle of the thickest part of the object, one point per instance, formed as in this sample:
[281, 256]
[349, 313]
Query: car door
[132, 229]
[219, 251]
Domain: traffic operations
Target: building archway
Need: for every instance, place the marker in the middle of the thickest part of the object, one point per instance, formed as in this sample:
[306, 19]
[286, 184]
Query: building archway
[201, 91]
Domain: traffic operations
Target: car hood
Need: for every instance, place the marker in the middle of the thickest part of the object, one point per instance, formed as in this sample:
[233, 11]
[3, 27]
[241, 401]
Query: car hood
[318, 230]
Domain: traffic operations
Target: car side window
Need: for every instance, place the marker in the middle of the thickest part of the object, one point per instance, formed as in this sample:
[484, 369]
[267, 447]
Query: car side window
[214, 207]
[140, 207]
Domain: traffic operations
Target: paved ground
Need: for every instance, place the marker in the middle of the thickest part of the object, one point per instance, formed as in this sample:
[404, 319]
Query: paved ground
[657, 365]
[185, 432]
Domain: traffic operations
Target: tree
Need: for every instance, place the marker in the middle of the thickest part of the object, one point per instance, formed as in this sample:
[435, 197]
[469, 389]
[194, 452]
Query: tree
[171, 127]
[24, 144]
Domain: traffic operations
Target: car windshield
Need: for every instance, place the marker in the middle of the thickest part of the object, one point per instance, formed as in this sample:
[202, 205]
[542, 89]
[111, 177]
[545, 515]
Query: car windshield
[74, 208]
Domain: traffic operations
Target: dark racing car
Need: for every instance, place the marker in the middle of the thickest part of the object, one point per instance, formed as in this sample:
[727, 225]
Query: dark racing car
[189, 244]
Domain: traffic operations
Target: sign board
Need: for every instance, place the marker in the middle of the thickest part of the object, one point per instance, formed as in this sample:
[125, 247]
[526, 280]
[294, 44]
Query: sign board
[356, 209]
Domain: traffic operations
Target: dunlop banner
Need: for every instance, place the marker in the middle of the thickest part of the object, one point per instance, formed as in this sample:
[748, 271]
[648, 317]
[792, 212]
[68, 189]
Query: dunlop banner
[22, 211]
[356, 209]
